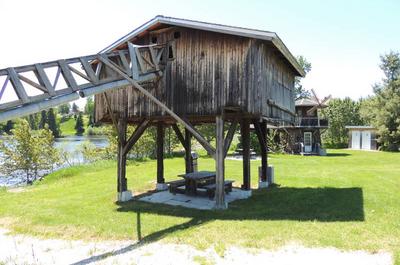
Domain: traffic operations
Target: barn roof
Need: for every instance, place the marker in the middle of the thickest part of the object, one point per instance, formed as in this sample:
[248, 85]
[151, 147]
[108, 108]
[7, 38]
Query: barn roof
[238, 31]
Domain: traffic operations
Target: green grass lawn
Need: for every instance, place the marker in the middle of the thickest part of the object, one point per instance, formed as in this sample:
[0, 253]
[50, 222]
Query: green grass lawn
[68, 127]
[348, 200]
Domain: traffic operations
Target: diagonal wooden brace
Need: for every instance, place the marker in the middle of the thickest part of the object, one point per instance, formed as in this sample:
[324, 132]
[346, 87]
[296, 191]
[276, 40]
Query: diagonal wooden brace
[209, 148]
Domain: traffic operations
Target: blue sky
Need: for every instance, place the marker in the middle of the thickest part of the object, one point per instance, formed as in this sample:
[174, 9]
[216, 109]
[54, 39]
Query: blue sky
[342, 39]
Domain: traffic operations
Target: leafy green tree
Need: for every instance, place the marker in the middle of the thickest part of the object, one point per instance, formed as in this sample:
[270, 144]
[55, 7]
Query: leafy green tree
[52, 123]
[79, 126]
[299, 90]
[383, 109]
[28, 151]
[340, 112]
[64, 108]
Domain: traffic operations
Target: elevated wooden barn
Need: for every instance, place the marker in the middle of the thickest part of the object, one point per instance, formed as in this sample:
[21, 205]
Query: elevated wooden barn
[210, 74]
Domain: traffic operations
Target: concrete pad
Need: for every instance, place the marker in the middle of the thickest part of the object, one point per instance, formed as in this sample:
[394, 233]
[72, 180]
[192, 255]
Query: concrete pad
[195, 202]
[124, 196]
[161, 186]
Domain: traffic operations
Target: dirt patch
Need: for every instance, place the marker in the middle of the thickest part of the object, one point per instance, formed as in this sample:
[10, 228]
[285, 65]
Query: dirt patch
[18, 249]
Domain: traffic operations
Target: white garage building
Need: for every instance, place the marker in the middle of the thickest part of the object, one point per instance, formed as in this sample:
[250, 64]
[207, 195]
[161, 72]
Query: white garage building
[362, 137]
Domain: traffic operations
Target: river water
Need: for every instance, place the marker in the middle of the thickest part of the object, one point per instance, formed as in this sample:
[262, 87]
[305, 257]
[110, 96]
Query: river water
[70, 144]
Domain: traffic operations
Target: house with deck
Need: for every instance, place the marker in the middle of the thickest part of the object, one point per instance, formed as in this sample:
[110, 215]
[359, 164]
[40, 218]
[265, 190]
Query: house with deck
[304, 136]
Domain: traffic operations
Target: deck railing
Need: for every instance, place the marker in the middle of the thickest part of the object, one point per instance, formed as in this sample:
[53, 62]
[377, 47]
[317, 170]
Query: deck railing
[311, 122]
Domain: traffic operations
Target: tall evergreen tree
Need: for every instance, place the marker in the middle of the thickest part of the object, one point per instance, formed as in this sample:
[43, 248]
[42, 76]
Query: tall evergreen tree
[89, 110]
[9, 127]
[52, 122]
[299, 90]
[79, 126]
[43, 119]
[383, 109]
[75, 108]
[33, 121]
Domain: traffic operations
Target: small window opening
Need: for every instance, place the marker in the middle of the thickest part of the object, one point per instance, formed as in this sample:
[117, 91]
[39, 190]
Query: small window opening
[153, 39]
[170, 52]
[177, 35]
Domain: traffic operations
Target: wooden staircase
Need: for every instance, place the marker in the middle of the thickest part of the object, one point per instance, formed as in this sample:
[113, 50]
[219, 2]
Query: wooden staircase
[31, 88]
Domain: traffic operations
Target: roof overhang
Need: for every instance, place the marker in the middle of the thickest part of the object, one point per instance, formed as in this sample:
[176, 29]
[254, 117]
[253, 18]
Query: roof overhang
[238, 31]
[367, 127]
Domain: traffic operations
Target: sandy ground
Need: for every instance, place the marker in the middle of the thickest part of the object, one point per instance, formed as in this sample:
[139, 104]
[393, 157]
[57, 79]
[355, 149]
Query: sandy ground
[18, 249]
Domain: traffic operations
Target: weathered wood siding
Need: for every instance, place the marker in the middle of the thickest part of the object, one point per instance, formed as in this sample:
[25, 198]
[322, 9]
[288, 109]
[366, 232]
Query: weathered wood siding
[211, 71]
[271, 83]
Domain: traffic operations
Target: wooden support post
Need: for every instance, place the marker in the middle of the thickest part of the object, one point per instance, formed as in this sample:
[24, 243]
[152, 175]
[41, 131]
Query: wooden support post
[264, 152]
[122, 182]
[188, 151]
[260, 129]
[220, 165]
[160, 153]
[245, 133]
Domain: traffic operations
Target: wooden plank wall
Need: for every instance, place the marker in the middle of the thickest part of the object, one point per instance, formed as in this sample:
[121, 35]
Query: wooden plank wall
[210, 71]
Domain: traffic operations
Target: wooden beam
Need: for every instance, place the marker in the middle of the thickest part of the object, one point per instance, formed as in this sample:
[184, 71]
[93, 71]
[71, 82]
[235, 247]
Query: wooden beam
[124, 62]
[260, 132]
[3, 88]
[18, 87]
[79, 73]
[134, 61]
[43, 79]
[69, 79]
[160, 153]
[136, 135]
[229, 137]
[188, 152]
[57, 77]
[179, 134]
[154, 58]
[114, 121]
[264, 158]
[30, 82]
[139, 59]
[121, 171]
[245, 133]
[197, 135]
[220, 165]
[89, 70]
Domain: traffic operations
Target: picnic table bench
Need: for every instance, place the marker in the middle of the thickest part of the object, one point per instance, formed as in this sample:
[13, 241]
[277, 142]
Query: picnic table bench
[196, 183]
[173, 186]
[210, 188]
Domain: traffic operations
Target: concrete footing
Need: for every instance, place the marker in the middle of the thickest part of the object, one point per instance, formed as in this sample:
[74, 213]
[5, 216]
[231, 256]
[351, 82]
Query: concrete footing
[161, 186]
[270, 175]
[246, 194]
[124, 196]
[221, 207]
[262, 184]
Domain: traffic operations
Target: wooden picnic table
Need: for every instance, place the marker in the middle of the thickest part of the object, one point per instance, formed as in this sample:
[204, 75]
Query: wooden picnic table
[193, 179]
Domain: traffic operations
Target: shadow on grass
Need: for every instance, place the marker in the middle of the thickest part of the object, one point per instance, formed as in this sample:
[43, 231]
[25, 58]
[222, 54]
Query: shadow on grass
[298, 204]
[338, 154]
